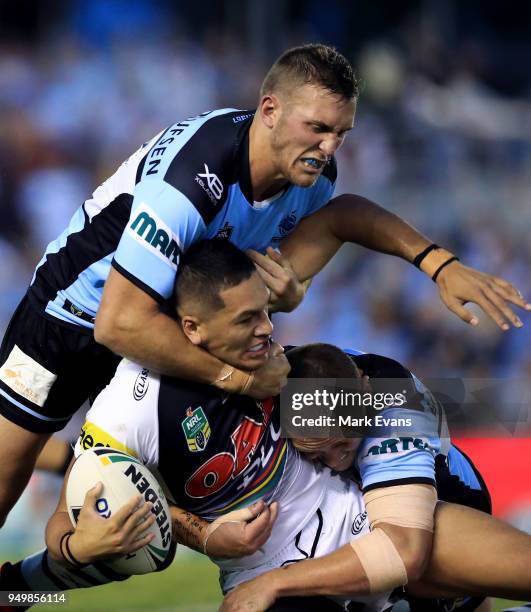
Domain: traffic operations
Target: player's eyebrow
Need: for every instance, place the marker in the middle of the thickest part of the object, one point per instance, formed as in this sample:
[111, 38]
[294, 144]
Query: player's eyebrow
[327, 128]
[245, 313]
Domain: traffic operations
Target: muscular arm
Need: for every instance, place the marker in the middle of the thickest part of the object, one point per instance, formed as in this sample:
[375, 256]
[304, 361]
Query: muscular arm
[131, 324]
[233, 535]
[341, 572]
[351, 218]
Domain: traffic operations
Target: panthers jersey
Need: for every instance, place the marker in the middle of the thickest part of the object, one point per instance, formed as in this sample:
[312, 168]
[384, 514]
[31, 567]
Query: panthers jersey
[213, 452]
[190, 182]
[388, 455]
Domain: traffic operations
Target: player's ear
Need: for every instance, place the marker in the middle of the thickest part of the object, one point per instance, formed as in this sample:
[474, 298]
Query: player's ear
[191, 328]
[269, 109]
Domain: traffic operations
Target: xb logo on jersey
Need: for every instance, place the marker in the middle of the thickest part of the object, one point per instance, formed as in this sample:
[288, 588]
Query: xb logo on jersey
[213, 186]
[196, 429]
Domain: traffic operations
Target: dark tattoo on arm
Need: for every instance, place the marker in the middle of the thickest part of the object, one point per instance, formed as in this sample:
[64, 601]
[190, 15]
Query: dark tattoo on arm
[188, 529]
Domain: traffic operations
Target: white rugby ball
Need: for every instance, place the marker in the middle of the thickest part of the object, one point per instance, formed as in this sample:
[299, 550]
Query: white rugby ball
[123, 477]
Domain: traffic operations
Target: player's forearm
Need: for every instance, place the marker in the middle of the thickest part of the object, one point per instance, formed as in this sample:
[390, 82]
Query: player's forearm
[188, 529]
[156, 341]
[339, 573]
[57, 526]
[363, 222]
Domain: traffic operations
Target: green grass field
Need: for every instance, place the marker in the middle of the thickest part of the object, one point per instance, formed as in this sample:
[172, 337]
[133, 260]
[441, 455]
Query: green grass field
[189, 585]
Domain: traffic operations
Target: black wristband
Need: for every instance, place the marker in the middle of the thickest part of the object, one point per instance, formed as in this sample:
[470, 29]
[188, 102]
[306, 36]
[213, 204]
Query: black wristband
[69, 556]
[448, 261]
[419, 258]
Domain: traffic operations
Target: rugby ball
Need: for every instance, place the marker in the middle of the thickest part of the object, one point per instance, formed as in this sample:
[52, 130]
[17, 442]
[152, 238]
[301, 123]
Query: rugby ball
[123, 477]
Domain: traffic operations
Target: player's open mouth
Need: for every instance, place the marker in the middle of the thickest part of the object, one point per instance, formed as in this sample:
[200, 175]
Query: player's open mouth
[259, 349]
[313, 163]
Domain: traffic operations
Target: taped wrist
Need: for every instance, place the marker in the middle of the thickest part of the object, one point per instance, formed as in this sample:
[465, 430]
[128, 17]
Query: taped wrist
[233, 380]
[380, 560]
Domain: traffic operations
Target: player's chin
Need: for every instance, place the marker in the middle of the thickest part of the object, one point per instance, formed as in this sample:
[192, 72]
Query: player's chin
[305, 179]
[252, 361]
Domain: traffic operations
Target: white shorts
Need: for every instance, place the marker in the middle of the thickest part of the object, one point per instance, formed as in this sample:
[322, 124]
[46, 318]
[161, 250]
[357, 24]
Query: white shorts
[340, 518]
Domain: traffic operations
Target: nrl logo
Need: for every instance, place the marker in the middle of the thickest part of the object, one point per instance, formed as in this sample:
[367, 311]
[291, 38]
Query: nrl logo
[196, 429]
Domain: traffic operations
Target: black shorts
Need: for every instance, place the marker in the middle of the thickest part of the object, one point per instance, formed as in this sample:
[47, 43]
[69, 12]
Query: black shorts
[48, 369]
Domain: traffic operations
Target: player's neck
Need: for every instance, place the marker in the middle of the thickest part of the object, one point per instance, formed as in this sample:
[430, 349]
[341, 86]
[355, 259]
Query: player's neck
[266, 180]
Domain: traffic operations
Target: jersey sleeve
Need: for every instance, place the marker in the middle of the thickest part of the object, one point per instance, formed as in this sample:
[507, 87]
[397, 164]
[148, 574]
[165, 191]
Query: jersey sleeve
[400, 453]
[162, 225]
[124, 416]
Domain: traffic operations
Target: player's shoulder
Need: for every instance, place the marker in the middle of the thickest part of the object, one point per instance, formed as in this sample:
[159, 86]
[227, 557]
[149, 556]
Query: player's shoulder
[129, 400]
[200, 157]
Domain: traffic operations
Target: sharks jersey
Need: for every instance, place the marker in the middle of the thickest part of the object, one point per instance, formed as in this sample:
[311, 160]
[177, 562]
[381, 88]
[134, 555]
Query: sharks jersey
[392, 454]
[190, 182]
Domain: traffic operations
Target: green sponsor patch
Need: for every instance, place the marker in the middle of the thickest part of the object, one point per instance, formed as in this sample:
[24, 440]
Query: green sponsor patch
[196, 429]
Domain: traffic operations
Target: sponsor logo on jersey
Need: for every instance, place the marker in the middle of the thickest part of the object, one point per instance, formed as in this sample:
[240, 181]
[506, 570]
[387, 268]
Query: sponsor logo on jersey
[286, 226]
[141, 385]
[210, 183]
[359, 523]
[26, 376]
[92, 436]
[196, 429]
[397, 445]
[151, 232]
[225, 232]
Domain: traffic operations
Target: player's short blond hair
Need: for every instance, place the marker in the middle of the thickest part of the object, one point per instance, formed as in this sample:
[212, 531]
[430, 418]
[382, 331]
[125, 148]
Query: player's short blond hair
[314, 64]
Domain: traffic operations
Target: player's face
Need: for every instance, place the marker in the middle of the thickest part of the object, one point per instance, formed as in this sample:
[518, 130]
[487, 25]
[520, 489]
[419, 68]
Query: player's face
[240, 333]
[339, 455]
[310, 128]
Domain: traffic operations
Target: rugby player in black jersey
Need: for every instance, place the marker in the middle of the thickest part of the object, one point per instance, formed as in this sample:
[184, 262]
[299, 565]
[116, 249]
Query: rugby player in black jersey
[238, 174]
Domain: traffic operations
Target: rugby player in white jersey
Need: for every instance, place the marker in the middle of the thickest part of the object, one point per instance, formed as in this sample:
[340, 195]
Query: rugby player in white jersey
[263, 464]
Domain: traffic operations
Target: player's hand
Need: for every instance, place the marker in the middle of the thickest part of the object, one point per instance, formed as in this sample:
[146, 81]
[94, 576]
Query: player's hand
[96, 537]
[255, 595]
[272, 377]
[242, 532]
[459, 284]
[287, 291]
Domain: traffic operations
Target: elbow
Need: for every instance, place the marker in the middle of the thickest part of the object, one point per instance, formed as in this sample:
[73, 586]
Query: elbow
[113, 331]
[415, 561]
[415, 566]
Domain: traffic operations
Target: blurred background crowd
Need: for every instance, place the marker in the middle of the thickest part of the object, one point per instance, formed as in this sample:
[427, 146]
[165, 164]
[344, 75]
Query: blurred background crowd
[442, 138]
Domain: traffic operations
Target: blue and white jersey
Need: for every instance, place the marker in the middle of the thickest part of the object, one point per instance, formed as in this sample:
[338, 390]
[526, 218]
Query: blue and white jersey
[400, 448]
[190, 182]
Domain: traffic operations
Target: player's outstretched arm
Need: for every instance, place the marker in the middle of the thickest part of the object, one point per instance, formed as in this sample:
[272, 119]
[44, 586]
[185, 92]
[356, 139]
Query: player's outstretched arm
[473, 554]
[352, 218]
[131, 324]
[95, 537]
[233, 535]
